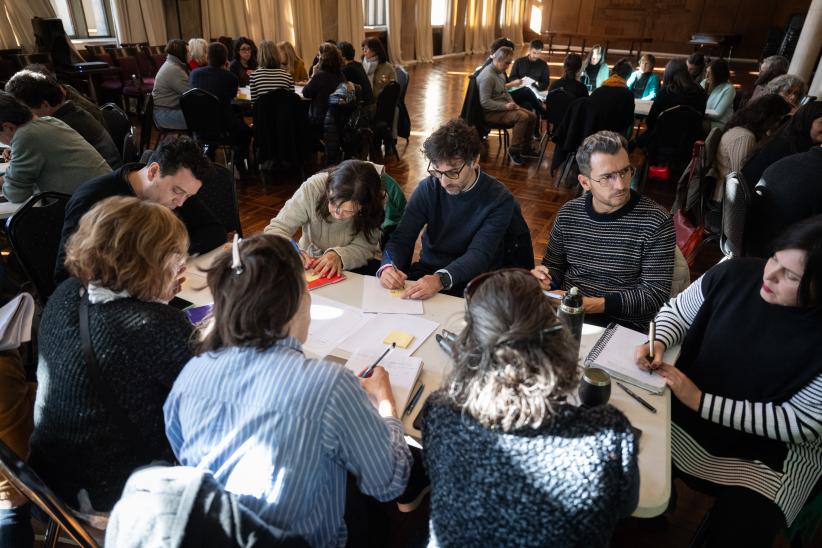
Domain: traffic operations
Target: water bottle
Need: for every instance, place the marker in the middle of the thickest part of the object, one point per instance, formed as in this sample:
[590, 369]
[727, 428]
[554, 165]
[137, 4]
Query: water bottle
[572, 314]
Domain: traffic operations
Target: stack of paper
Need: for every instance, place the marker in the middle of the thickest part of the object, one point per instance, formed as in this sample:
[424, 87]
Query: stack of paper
[15, 321]
[331, 323]
[403, 371]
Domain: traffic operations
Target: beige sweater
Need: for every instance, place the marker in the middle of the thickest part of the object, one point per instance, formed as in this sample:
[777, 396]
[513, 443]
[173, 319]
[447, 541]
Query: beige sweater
[320, 235]
[735, 148]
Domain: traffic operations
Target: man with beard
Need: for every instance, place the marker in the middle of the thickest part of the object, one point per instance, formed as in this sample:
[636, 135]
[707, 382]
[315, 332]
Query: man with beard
[613, 244]
[467, 214]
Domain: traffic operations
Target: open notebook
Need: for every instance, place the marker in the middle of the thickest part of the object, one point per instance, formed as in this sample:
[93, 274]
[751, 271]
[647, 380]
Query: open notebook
[614, 352]
[403, 371]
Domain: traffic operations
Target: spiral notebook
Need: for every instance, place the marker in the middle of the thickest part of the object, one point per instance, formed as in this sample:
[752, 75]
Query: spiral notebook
[614, 352]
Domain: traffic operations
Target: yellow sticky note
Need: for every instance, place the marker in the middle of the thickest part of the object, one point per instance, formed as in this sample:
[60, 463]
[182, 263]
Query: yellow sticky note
[402, 339]
[398, 293]
[311, 276]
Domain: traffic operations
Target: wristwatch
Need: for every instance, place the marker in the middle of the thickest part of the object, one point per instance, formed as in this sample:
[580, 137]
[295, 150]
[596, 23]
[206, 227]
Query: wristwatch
[445, 279]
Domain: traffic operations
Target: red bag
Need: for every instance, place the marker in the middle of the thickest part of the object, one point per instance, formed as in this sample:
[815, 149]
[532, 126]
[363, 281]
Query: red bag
[688, 236]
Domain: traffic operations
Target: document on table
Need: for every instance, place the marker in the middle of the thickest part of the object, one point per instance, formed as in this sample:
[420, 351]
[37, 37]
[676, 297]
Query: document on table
[376, 298]
[331, 323]
[403, 371]
[379, 326]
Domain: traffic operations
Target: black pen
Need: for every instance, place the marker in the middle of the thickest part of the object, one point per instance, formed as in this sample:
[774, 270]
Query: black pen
[642, 402]
[414, 399]
[369, 370]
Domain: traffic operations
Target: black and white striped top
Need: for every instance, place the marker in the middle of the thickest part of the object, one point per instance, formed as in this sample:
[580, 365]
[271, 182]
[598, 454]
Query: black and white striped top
[627, 256]
[777, 426]
[264, 80]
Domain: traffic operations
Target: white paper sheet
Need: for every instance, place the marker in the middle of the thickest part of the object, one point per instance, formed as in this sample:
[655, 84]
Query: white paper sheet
[15, 321]
[376, 298]
[403, 371]
[372, 333]
[331, 323]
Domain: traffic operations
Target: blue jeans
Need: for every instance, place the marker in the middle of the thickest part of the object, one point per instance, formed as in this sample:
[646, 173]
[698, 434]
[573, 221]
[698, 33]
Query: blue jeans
[15, 527]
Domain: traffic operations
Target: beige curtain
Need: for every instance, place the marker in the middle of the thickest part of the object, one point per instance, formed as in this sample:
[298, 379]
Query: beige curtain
[479, 25]
[308, 28]
[423, 42]
[256, 19]
[350, 19]
[393, 16]
[15, 21]
[513, 14]
[140, 21]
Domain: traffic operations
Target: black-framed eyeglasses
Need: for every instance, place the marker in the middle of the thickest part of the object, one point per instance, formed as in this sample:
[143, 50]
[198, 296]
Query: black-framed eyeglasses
[450, 174]
[615, 176]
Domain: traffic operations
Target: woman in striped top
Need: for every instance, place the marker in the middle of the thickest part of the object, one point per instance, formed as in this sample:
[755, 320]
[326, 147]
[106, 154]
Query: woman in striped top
[270, 75]
[747, 419]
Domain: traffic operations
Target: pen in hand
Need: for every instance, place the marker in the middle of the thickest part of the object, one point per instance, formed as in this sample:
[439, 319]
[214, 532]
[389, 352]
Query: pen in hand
[369, 370]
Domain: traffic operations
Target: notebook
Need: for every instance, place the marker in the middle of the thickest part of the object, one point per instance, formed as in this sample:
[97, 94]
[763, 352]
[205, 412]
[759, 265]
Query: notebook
[403, 371]
[614, 352]
[15, 321]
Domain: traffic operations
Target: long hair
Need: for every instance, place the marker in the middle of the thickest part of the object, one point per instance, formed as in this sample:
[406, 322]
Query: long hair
[330, 58]
[238, 43]
[677, 80]
[355, 181]
[761, 115]
[375, 45]
[795, 133]
[510, 367]
[269, 55]
[289, 55]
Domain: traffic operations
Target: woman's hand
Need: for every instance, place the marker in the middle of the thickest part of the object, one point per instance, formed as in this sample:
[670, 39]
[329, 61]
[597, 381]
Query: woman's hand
[642, 355]
[543, 276]
[683, 388]
[378, 386]
[328, 265]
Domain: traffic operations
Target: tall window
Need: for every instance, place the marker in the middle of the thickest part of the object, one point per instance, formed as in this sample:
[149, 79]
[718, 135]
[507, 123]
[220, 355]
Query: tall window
[439, 11]
[536, 18]
[85, 18]
[374, 11]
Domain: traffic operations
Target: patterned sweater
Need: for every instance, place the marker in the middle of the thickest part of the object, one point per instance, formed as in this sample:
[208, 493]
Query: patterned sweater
[566, 483]
[627, 256]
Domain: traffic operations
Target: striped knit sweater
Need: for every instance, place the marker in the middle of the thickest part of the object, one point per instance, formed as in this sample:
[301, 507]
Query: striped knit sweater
[759, 423]
[264, 80]
[627, 256]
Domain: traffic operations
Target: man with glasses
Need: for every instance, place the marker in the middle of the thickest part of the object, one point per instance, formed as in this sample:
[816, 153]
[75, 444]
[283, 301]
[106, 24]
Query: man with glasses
[466, 214]
[613, 244]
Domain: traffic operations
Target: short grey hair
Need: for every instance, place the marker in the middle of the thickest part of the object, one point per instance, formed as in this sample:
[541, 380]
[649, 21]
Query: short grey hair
[503, 53]
[776, 62]
[786, 82]
[605, 142]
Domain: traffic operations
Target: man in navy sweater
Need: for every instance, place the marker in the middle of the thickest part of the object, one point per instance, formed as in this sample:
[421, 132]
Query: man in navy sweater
[466, 212]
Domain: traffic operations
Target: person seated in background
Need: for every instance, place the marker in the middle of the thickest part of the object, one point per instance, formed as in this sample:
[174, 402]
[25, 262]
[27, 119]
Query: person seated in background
[595, 68]
[340, 212]
[355, 73]
[92, 429]
[799, 133]
[721, 93]
[532, 66]
[747, 127]
[770, 68]
[791, 190]
[44, 96]
[172, 178]
[569, 81]
[465, 214]
[495, 45]
[71, 93]
[375, 62]
[198, 53]
[695, 64]
[643, 83]
[613, 244]
[46, 154]
[292, 62]
[170, 83]
[270, 75]
[791, 88]
[499, 107]
[16, 425]
[277, 429]
[612, 103]
[746, 416]
[504, 402]
[244, 60]
[324, 81]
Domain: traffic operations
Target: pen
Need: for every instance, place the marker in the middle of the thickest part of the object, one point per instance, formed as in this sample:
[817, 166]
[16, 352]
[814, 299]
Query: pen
[651, 337]
[391, 260]
[414, 399]
[642, 402]
[369, 370]
[297, 247]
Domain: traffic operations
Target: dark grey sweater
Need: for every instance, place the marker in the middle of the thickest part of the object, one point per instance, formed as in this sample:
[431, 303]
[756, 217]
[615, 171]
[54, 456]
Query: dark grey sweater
[564, 484]
[141, 347]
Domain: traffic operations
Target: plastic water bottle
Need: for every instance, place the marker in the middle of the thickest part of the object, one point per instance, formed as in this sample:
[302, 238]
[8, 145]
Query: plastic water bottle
[572, 314]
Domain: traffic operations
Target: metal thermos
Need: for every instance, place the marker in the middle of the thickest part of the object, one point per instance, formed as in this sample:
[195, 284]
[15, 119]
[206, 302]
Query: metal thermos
[572, 314]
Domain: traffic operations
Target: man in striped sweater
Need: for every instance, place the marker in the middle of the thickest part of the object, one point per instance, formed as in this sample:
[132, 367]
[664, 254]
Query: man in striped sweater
[613, 244]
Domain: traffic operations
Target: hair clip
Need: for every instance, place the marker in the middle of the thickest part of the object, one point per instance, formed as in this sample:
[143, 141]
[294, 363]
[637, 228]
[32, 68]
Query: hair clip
[236, 265]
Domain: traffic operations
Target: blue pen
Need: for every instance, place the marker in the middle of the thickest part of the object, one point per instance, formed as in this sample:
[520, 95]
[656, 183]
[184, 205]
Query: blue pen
[297, 248]
[391, 260]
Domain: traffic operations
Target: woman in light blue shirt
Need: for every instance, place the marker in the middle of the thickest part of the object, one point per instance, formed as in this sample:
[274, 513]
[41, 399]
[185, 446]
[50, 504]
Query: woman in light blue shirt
[722, 93]
[278, 429]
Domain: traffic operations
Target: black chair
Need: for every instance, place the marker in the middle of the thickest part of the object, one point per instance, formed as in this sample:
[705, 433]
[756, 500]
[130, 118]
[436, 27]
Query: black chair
[673, 138]
[384, 115]
[403, 120]
[282, 139]
[210, 120]
[118, 125]
[60, 515]
[736, 201]
[473, 115]
[147, 124]
[34, 232]
[219, 194]
[557, 102]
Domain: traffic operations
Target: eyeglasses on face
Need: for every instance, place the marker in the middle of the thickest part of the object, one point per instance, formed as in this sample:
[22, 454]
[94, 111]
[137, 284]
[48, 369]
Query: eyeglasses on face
[452, 174]
[615, 176]
[338, 210]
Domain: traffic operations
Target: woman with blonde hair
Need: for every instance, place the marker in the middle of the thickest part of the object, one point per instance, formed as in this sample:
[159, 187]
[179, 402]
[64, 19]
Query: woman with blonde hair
[292, 62]
[197, 53]
[270, 74]
[110, 348]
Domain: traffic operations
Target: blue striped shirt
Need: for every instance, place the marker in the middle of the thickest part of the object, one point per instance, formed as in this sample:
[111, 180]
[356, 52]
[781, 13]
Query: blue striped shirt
[281, 431]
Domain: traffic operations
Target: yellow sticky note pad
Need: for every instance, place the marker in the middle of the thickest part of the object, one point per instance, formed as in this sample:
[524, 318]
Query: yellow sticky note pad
[311, 276]
[398, 293]
[402, 339]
